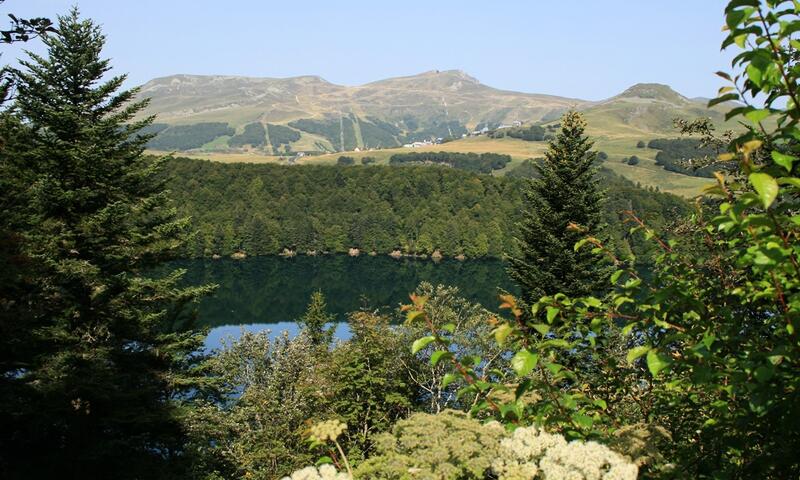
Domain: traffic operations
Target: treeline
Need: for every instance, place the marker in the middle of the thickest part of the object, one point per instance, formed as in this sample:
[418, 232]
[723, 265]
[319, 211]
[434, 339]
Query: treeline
[262, 209]
[254, 134]
[686, 155]
[471, 162]
[341, 132]
[187, 137]
[335, 130]
[533, 133]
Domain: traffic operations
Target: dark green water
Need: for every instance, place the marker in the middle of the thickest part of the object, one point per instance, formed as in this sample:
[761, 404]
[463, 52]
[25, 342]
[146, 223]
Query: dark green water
[271, 292]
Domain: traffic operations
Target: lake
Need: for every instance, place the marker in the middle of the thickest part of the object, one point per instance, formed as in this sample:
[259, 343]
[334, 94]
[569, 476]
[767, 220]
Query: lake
[270, 292]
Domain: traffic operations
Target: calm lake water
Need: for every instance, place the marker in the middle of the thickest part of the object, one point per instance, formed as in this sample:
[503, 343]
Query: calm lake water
[271, 292]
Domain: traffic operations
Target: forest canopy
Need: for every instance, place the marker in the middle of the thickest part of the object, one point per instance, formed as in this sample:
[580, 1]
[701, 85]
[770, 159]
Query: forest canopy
[261, 209]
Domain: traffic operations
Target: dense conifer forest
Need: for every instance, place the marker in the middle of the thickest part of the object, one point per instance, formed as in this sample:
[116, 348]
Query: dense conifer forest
[262, 209]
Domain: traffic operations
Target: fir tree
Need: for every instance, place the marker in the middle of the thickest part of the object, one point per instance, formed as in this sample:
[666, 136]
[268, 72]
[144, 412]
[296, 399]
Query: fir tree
[93, 371]
[562, 205]
[315, 319]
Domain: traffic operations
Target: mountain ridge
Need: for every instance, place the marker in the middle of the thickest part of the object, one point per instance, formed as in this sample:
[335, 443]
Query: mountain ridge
[310, 114]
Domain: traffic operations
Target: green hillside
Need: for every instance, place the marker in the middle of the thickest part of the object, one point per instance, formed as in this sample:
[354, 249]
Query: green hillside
[236, 119]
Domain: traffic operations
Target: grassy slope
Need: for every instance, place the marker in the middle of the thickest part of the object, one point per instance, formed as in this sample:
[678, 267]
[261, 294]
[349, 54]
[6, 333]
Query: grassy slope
[643, 112]
[617, 147]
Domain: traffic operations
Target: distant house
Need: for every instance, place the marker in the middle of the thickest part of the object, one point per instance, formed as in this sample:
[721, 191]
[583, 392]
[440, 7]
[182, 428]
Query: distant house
[516, 123]
[418, 144]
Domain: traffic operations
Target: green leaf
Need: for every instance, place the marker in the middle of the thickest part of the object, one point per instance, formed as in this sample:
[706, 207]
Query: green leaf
[756, 116]
[511, 408]
[582, 421]
[448, 379]
[637, 352]
[755, 74]
[764, 373]
[656, 362]
[724, 98]
[551, 313]
[615, 276]
[542, 328]
[783, 160]
[523, 362]
[421, 343]
[449, 327]
[324, 460]
[439, 355]
[554, 368]
[502, 332]
[766, 187]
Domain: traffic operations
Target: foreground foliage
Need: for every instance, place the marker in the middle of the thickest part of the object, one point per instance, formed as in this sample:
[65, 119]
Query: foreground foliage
[711, 339]
[453, 446]
[93, 367]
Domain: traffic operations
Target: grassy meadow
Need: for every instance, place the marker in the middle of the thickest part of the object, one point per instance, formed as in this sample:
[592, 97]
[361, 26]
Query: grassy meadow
[617, 147]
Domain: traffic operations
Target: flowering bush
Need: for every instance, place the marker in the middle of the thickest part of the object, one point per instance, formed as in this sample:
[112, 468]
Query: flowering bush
[454, 446]
[324, 472]
[532, 453]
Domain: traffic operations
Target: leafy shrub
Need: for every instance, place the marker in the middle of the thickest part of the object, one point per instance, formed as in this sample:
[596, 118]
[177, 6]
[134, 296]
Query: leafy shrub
[345, 161]
[713, 329]
[324, 472]
[449, 445]
[452, 446]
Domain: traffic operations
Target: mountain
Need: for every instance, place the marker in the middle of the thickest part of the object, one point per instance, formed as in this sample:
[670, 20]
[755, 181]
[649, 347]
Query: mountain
[310, 114]
[647, 109]
[330, 117]
[239, 100]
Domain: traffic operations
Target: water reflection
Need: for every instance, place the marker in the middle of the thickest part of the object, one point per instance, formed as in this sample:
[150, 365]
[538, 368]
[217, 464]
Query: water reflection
[270, 292]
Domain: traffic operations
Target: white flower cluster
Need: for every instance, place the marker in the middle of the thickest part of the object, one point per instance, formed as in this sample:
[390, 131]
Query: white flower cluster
[533, 453]
[328, 430]
[324, 472]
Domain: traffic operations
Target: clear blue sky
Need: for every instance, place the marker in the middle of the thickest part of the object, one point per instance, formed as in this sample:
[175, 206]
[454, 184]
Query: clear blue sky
[578, 48]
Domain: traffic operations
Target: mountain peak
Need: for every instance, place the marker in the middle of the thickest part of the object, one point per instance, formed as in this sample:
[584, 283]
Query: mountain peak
[653, 91]
[455, 74]
[440, 79]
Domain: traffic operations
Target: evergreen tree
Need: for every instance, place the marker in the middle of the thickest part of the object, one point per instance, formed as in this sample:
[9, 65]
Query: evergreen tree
[93, 372]
[315, 319]
[562, 205]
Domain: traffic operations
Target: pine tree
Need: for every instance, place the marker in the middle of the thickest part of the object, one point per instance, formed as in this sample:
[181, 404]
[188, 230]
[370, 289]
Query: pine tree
[315, 319]
[94, 372]
[564, 192]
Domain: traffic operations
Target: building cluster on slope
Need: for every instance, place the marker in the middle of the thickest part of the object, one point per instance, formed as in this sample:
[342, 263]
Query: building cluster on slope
[486, 129]
[423, 143]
